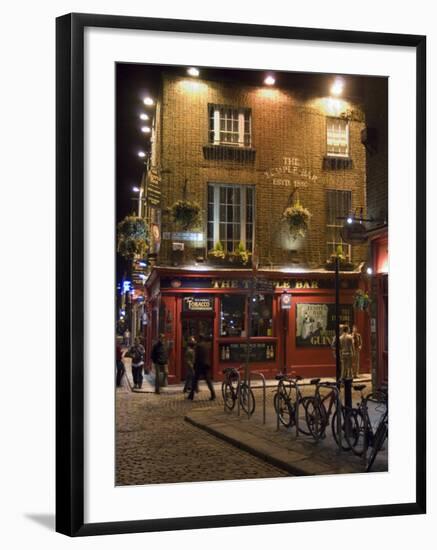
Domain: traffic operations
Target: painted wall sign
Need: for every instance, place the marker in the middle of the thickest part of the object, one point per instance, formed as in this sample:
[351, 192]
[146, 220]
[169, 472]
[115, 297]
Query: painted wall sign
[315, 323]
[291, 166]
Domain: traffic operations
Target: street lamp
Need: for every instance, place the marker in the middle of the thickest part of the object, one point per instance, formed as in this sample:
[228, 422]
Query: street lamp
[139, 190]
[337, 87]
[141, 154]
[192, 71]
[143, 116]
[148, 101]
[145, 129]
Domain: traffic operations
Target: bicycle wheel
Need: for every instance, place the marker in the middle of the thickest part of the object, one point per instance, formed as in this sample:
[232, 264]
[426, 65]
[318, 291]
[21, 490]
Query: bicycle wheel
[358, 439]
[247, 399]
[316, 417]
[303, 426]
[349, 429]
[229, 396]
[282, 409]
[378, 442]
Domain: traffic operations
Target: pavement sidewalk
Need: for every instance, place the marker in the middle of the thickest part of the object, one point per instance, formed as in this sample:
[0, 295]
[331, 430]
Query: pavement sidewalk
[299, 455]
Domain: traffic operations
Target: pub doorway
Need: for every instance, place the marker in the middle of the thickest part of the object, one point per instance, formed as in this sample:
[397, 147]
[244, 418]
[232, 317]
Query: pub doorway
[194, 325]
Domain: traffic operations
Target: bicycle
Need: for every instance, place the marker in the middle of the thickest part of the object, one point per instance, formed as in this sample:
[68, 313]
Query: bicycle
[367, 435]
[318, 414]
[233, 388]
[287, 400]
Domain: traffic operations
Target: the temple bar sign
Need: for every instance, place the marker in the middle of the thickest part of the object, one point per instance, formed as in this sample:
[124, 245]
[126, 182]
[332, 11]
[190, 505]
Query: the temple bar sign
[198, 303]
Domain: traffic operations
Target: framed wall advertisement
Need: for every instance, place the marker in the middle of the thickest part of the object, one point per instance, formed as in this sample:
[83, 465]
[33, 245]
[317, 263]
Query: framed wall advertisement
[232, 141]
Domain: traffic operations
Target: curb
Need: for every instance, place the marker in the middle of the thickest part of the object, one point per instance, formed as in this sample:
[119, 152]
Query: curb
[274, 461]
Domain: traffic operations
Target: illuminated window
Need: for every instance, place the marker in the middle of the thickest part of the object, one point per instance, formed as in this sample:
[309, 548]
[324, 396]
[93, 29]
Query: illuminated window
[337, 137]
[229, 126]
[232, 313]
[231, 211]
[338, 206]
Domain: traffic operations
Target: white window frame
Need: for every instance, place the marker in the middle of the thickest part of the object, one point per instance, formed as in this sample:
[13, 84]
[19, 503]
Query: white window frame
[243, 209]
[332, 245]
[241, 123]
[333, 154]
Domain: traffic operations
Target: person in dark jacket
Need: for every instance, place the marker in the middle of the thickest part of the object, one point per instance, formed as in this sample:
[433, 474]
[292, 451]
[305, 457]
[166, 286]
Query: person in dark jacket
[202, 367]
[189, 357]
[136, 352]
[159, 358]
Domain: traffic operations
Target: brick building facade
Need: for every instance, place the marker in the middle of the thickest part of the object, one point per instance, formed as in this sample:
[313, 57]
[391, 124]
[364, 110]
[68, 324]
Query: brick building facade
[244, 153]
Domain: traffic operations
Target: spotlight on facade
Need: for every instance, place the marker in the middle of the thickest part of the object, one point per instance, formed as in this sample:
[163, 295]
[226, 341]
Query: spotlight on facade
[349, 220]
[143, 116]
[337, 87]
[369, 271]
[141, 154]
[269, 80]
[148, 101]
[145, 129]
[192, 71]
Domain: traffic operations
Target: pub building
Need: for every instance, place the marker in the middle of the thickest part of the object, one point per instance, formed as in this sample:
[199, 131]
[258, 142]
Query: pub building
[243, 153]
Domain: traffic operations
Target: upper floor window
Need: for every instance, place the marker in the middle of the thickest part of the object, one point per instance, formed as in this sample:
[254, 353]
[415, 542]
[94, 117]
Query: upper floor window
[339, 204]
[230, 216]
[337, 137]
[229, 126]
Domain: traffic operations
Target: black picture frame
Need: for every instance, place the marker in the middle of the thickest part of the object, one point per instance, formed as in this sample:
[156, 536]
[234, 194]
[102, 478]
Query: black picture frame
[70, 273]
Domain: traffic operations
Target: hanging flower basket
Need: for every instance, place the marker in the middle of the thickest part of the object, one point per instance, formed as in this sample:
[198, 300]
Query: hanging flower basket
[361, 300]
[297, 217]
[133, 238]
[186, 214]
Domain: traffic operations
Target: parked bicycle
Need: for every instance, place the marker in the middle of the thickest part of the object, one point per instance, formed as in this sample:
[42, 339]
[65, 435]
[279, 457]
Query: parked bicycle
[287, 401]
[325, 407]
[233, 388]
[372, 424]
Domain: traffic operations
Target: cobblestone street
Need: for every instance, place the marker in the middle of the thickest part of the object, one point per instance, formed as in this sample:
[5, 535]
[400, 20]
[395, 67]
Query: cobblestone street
[155, 445]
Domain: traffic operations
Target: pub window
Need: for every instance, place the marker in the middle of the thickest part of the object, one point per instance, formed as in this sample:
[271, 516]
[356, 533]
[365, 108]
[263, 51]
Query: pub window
[231, 211]
[337, 137]
[262, 317]
[339, 205]
[232, 315]
[229, 126]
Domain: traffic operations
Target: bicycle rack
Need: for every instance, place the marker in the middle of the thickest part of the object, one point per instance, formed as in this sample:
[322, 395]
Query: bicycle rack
[263, 379]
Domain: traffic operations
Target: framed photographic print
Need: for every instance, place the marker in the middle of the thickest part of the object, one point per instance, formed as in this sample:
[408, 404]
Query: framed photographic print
[240, 274]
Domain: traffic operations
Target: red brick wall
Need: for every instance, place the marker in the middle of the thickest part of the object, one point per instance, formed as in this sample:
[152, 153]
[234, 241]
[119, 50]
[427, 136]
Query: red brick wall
[285, 125]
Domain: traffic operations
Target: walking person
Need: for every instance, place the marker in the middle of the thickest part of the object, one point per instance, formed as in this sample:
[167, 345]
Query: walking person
[347, 353]
[189, 365]
[358, 344]
[136, 352]
[202, 368]
[120, 370]
[159, 358]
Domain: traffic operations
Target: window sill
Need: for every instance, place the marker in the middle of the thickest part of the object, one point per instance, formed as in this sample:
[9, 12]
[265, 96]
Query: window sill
[228, 152]
[336, 163]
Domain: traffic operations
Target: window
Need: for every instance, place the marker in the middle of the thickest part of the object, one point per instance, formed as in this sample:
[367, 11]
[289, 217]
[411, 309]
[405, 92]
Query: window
[262, 317]
[339, 205]
[232, 315]
[231, 216]
[229, 126]
[337, 137]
